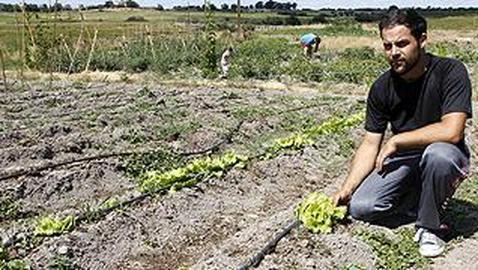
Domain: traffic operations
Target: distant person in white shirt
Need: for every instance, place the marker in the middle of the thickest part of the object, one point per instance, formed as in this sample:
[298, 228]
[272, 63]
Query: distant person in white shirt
[226, 61]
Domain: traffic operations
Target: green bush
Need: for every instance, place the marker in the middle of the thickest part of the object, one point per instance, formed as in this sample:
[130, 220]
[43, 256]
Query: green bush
[269, 20]
[136, 19]
[302, 69]
[173, 54]
[466, 52]
[363, 53]
[260, 58]
[355, 65]
[292, 20]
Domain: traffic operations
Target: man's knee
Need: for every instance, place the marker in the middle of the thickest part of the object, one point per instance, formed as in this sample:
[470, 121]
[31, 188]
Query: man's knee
[440, 156]
[369, 208]
[362, 208]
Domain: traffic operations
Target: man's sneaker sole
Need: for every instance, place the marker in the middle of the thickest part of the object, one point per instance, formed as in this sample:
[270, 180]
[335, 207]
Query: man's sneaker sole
[431, 253]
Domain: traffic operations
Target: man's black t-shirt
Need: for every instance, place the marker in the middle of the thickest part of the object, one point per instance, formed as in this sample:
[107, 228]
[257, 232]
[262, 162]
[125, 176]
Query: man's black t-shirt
[445, 87]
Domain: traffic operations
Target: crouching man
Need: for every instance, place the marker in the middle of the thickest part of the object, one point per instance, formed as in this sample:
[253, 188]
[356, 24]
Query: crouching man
[426, 100]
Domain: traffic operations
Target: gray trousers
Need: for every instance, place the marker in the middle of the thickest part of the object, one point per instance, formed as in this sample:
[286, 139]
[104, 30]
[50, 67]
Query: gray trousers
[413, 183]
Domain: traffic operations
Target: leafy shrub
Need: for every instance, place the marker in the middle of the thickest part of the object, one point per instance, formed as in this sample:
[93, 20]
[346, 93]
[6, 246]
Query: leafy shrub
[269, 20]
[355, 65]
[319, 19]
[292, 20]
[260, 58]
[303, 69]
[466, 52]
[172, 53]
[136, 19]
[363, 53]
[109, 60]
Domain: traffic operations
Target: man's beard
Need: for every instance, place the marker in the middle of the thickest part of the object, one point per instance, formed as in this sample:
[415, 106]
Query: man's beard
[405, 65]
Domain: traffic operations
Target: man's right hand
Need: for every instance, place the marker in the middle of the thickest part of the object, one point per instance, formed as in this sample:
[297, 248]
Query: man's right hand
[341, 197]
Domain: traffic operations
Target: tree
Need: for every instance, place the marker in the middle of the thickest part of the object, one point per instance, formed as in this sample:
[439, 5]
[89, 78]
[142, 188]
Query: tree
[131, 4]
[212, 7]
[159, 7]
[58, 7]
[259, 5]
[224, 7]
[32, 7]
[109, 4]
[269, 4]
[233, 7]
[278, 6]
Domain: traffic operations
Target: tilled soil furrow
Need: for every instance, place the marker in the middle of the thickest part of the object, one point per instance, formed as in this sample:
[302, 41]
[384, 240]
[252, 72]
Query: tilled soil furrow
[199, 220]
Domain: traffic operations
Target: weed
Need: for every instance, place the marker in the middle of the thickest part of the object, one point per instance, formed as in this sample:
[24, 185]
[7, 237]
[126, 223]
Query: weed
[7, 263]
[136, 165]
[92, 213]
[15, 264]
[61, 262]
[252, 112]
[9, 208]
[135, 136]
[175, 129]
[394, 253]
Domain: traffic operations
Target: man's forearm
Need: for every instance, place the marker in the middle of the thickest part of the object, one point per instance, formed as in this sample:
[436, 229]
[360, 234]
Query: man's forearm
[437, 132]
[362, 164]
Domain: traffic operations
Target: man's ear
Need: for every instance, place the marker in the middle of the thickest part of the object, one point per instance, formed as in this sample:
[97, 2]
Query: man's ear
[423, 40]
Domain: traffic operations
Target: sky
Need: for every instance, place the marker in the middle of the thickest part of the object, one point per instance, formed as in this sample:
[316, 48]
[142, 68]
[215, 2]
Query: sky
[315, 4]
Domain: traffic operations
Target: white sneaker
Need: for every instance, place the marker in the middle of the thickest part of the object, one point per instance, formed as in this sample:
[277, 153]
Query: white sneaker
[430, 245]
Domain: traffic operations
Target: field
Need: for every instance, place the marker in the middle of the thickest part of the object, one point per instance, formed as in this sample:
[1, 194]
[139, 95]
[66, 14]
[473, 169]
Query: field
[139, 157]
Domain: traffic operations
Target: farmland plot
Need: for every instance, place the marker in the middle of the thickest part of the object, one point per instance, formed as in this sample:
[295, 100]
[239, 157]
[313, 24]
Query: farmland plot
[147, 176]
[82, 155]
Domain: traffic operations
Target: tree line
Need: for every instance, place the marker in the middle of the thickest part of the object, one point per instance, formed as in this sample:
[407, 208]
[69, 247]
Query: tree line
[59, 7]
[289, 8]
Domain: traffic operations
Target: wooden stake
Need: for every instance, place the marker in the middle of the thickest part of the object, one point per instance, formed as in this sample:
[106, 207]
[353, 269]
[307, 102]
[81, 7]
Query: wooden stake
[92, 50]
[2, 60]
[150, 39]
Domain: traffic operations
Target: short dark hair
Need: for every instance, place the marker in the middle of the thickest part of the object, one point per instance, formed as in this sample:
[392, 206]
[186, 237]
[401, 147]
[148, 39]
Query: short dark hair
[407, 17]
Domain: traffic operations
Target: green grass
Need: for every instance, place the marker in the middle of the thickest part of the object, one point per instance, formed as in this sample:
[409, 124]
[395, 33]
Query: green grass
[177, 50]
[460, 23]
[328, 30]
[467, 52]
[394, 252]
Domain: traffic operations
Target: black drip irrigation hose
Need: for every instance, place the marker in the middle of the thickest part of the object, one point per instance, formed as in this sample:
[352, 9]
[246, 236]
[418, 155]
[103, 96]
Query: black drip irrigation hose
[50, 165]
[256, 259]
